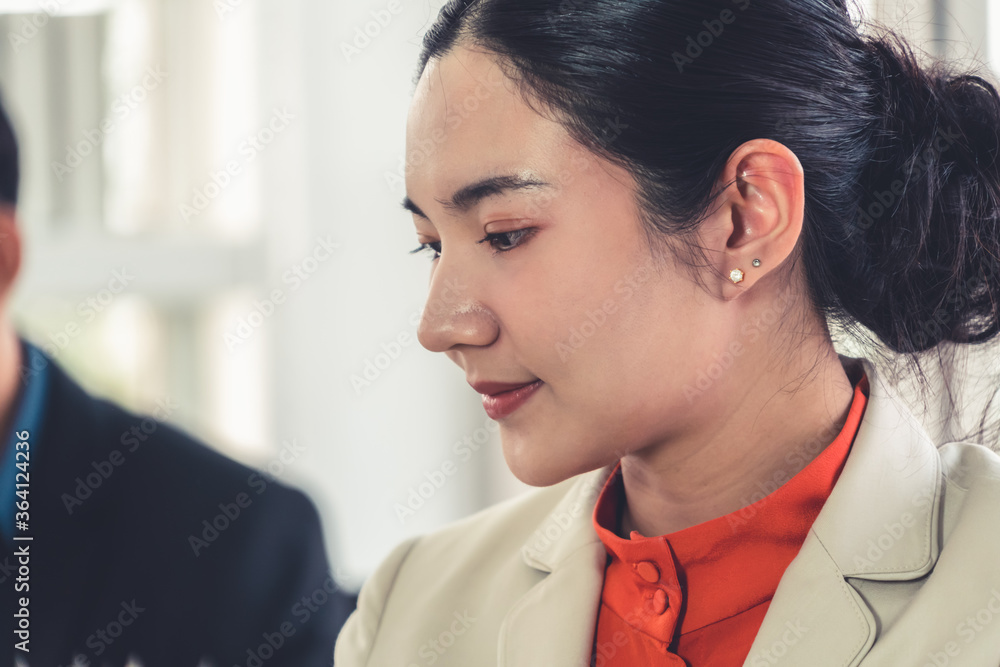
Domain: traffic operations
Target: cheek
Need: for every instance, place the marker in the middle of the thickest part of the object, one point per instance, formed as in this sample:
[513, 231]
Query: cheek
[634, 351]
[555, 311]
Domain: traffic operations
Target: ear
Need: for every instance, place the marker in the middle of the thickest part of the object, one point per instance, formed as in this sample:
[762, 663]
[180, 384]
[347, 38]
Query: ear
[10, 250]
[759, 215]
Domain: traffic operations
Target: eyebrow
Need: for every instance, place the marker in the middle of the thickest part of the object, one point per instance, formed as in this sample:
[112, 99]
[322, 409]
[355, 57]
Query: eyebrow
[470, 195]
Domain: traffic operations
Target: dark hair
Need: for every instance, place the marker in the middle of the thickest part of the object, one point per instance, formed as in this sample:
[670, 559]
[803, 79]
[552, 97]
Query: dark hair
[901, 237]
[902, 181]
[10, 173]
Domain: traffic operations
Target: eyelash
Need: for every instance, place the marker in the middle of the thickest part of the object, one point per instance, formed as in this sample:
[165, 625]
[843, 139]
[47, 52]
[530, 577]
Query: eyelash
[521, 236]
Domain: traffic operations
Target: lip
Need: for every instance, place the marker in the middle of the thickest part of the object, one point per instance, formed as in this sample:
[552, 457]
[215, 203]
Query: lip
[501, 399]
[494, 388]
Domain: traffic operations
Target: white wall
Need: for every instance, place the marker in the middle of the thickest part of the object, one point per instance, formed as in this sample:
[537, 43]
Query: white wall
[368, 447]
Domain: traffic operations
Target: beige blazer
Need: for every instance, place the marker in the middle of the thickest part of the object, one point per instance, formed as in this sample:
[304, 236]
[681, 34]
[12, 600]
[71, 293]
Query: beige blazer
[901, 569]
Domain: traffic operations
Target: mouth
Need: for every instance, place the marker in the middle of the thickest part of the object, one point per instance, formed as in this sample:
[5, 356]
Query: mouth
[502, 399]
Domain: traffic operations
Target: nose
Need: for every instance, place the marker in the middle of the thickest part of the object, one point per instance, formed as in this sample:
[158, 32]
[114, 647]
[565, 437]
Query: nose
[453, 315]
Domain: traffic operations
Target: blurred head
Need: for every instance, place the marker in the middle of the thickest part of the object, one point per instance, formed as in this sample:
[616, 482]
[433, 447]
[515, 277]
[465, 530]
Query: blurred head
[10, 241]
[588, 180]
[10, 173]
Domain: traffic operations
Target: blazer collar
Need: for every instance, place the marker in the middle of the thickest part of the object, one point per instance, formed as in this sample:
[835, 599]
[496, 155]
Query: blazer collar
[568, 527]
[880, 523]
[553, 624]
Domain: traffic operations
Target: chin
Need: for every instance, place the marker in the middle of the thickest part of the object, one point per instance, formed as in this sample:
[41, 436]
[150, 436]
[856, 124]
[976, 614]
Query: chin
[533, 462]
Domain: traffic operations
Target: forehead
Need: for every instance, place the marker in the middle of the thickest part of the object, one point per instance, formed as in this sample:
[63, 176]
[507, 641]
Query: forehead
[467, 120]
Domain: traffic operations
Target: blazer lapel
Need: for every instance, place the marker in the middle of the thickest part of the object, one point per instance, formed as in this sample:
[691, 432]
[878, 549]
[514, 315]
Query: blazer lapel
[880, 523]
[553, 624]
[815, 616]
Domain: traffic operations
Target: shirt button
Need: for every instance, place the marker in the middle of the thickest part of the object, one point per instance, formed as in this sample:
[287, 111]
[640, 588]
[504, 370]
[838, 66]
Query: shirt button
[648, 571]
[659, 601]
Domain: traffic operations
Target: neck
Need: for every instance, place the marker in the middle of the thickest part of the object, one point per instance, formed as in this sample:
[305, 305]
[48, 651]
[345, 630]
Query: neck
[759, 436]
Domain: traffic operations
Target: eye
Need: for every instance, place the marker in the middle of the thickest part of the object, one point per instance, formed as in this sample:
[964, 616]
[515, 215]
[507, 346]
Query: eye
[433, 248]
[506, 241]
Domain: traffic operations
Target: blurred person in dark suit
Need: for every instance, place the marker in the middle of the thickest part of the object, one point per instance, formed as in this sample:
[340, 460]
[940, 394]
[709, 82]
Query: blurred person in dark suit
[125, 541]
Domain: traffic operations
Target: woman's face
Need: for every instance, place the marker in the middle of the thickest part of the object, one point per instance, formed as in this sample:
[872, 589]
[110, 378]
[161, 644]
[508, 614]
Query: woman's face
[544, 276]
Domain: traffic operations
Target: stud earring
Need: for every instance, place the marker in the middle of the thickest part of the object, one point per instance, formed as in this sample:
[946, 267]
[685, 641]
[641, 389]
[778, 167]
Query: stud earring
[736, 275]
[756, 263]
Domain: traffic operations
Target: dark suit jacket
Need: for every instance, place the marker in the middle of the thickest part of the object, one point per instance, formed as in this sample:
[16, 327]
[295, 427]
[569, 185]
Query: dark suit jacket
[179, 555]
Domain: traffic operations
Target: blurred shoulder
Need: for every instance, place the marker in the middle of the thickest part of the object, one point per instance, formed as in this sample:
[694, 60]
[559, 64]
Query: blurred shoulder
[143, 457]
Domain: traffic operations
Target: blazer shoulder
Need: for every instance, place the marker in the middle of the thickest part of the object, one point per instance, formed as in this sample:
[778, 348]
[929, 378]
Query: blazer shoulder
[465, 558]
[970, 465]
[356, 639]
[497, 531]
[970, 495]
[515, 517]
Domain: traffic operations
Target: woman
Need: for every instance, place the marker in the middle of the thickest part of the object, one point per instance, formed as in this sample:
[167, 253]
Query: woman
[642, 216]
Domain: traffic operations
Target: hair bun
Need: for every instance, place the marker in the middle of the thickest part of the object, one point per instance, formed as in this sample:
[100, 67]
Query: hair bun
[929, 216]
[906, 92]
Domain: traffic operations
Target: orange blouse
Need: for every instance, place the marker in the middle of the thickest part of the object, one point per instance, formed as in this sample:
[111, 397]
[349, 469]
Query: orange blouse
[697, 597]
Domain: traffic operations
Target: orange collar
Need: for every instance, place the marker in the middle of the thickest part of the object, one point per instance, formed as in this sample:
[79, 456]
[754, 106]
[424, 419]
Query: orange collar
[716, 570]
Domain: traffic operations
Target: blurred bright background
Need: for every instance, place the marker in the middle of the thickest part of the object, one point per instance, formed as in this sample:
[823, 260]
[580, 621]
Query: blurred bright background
[211, 202]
